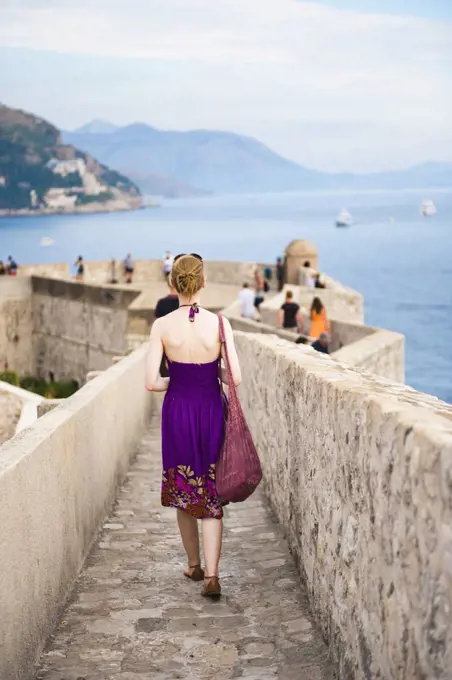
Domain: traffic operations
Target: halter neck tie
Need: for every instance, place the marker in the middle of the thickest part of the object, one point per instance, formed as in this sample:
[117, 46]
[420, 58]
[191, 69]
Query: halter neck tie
[194, 309]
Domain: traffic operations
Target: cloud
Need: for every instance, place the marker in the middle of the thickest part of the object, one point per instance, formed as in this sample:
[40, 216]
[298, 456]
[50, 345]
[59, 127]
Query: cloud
[250, 64]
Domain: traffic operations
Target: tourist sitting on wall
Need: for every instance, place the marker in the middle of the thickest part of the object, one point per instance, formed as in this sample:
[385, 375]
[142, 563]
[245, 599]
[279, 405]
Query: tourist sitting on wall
[12, 266]
[308, 280]
[260, 289]
[2, 268]
[318, 283]
[289, 316]
[79, 268]
[246, 297]
[322, 344]
[319, 320]
[128, 268]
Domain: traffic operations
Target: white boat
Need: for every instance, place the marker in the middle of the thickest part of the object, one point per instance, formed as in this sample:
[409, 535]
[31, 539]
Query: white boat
[46, 241]
[428, 208]
[344, 219]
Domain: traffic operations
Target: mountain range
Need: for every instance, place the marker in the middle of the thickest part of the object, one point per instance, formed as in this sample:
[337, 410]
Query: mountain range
[173, 163]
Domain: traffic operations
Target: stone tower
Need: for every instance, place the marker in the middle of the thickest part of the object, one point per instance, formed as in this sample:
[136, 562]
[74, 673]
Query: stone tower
[296, 254]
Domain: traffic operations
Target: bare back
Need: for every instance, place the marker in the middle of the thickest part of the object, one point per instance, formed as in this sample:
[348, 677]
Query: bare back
[196, 342]
[188, 342]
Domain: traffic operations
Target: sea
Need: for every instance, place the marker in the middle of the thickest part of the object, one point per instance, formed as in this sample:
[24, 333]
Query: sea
[400, 261]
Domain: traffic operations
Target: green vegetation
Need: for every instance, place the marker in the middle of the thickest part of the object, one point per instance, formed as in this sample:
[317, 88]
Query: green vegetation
[61, 389]
[10, 377]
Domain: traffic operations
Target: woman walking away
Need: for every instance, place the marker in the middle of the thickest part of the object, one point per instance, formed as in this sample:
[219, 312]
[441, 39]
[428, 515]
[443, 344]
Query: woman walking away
[193, 416]
[319, 320]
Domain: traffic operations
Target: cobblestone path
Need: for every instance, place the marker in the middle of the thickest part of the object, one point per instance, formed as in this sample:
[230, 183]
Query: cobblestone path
[133, 616]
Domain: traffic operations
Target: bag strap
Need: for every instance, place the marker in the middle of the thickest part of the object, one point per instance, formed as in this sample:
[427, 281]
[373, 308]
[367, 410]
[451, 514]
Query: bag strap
[231, 386]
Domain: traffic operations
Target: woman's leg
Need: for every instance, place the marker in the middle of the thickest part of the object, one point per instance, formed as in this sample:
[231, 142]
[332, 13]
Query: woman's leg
[188, 527]
[212, 534]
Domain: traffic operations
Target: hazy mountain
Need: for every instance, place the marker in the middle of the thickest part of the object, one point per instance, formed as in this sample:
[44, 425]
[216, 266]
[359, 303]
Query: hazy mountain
[224, 162]
[97, 126]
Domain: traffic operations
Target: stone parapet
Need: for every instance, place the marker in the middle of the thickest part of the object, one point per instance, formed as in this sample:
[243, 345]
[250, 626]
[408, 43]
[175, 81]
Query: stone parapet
[359, 471]
[58, 479]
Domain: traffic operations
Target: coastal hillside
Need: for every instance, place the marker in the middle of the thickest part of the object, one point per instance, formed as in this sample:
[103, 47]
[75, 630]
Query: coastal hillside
[39, 173]
[223, 162]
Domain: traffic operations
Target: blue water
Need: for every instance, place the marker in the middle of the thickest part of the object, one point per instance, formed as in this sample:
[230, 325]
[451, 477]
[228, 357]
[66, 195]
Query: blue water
[403, 268]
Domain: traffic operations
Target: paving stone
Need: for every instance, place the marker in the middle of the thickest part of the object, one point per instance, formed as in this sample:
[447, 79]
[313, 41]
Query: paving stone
[133, 616]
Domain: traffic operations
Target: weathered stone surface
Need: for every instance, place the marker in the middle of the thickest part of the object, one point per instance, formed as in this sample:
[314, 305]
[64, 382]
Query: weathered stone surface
[359, 472]
[48, 405]
[10, 409]
[134, 616]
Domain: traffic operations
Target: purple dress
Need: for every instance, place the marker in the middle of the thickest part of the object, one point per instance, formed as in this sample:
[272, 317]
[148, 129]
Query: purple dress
[193, 419]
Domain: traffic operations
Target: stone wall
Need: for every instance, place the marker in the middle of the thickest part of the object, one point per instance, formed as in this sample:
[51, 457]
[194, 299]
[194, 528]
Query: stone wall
[382, 353]
[77, 327]
[370, 349]
[57, 270]
[15, 325]
[359, 472]
[100, 271]
[57, 482]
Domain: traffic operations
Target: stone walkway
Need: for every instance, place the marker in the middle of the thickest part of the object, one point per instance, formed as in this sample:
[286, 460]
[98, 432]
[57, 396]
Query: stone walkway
[134, 616]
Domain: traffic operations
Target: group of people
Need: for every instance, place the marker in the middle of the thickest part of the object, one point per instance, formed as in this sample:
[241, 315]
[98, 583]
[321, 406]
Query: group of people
[290, 318]
[10, 268]
[127, 264]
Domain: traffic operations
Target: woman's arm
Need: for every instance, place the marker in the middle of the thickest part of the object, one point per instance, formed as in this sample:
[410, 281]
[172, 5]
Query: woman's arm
[232, 354]
[154, 381]
[280, 318]
[300, 321]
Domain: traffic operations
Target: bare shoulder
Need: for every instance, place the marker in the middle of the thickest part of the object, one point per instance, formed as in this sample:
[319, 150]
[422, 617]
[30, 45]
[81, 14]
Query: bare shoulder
[156, 327]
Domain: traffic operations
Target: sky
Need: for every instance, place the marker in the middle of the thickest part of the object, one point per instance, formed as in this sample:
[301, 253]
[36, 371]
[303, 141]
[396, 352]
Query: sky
[339, 85]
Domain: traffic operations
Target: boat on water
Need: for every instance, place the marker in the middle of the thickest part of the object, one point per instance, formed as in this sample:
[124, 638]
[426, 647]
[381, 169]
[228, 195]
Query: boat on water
[428, 208]
[46, 241]
[344, 219]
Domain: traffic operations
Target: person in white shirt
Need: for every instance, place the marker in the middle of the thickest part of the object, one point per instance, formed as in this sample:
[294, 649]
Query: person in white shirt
[168, 264]
[246, 297]
[309, 279]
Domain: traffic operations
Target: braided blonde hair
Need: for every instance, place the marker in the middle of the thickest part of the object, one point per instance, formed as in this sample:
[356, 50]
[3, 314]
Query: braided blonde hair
[187, 276]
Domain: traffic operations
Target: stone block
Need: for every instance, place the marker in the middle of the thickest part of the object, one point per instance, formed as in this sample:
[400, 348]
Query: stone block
[48, 405]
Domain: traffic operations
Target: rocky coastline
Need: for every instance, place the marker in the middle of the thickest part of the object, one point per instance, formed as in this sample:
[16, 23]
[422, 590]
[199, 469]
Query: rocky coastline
[117, 205]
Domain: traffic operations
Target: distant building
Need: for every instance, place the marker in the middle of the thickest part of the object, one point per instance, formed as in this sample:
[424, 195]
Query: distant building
[65, 168]
[59, 200]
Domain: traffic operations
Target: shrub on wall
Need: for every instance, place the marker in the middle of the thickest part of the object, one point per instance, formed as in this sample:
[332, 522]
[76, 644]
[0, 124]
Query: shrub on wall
[10, 377]
[49, 390]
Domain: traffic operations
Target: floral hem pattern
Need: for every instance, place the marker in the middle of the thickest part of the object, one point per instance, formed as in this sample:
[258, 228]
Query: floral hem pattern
[197, 496]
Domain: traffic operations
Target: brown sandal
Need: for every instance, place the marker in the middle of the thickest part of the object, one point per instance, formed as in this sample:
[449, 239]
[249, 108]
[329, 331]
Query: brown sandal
[197, 573]
[212, 587]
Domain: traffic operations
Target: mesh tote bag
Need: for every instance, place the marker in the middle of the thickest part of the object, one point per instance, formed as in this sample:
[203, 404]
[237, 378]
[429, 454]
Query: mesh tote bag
[238, 471]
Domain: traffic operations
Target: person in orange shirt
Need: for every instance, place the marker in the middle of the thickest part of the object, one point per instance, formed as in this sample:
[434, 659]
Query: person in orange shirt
[319, 320]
